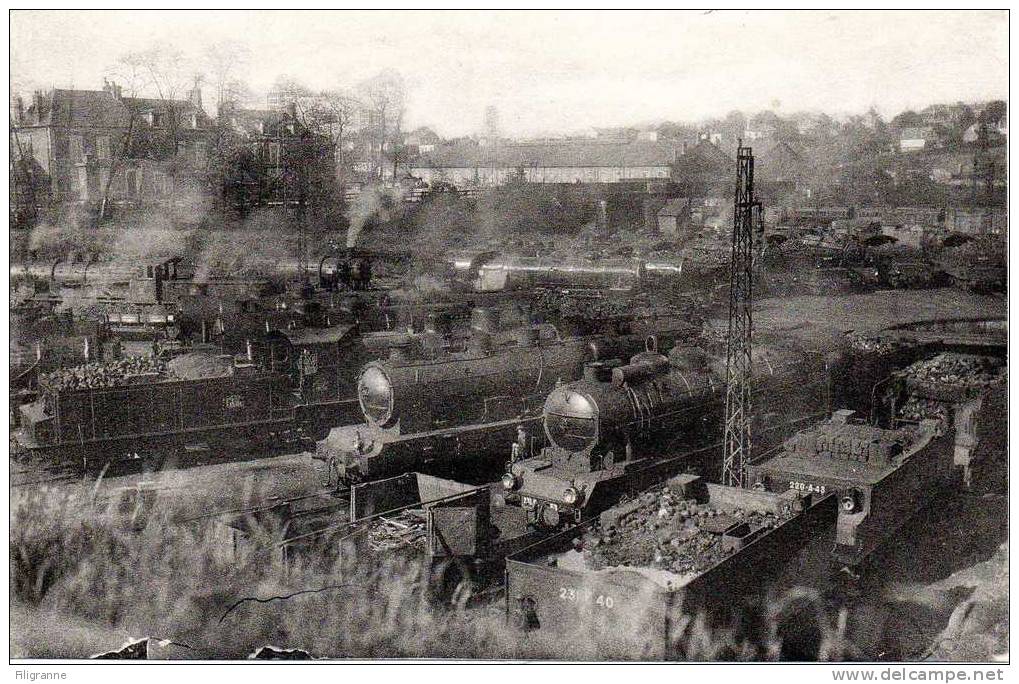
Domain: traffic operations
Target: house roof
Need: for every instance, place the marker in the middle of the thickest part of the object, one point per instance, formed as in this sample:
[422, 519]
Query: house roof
[77, 109]
[780, 162]
[703, 159]
[96, 109]
[570, 153]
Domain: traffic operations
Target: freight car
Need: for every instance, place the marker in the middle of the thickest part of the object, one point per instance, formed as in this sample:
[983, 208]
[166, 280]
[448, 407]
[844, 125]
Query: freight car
[619, 428]
[881, 477]
[463, 404]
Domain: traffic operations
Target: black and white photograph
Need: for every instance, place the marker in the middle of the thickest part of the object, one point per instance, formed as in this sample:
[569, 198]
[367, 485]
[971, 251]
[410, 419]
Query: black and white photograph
[441, 336]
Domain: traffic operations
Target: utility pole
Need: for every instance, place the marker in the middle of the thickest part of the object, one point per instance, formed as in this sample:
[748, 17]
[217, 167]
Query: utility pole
[738, 363]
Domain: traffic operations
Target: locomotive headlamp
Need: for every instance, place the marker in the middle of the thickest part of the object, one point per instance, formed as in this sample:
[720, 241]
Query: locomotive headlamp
[570, 496]
[850, 501]
[509, 481]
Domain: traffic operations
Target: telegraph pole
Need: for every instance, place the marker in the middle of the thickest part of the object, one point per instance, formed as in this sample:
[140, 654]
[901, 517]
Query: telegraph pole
[738, 363]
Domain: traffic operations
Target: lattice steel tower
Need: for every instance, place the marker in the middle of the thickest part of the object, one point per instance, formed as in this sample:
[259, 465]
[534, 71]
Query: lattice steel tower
[738, 365]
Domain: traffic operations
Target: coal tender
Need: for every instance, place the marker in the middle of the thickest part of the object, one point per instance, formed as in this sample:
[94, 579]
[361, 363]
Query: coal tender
[881, 477]
[631, 579]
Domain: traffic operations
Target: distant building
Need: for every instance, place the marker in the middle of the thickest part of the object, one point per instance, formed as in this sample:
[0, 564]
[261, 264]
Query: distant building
[674, 215]
[566, 161]
[423, 140]
[703, 169]
[282, 161]
[67, 142]
[977, 220]
[901, 216]
[915, 139]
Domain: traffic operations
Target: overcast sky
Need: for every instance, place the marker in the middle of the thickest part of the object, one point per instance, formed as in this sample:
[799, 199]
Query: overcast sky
[560, 72]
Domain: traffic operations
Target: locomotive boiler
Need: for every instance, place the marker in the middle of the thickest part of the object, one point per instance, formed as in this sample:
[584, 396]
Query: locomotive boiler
[494, 272]
[627, 425]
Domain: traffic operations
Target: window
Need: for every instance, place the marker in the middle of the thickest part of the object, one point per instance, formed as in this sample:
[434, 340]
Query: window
[157, 118]
[103, 146]
[77, 148]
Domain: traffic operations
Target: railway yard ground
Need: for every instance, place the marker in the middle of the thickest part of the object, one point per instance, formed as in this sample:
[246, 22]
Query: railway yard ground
[945, 604]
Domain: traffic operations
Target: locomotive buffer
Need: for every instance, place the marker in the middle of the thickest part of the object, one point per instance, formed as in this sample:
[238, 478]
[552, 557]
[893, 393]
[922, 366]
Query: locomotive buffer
[736, 441]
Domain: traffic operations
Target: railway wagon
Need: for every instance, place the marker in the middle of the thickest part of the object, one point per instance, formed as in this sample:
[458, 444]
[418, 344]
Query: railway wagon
[155, 418]
[639, 610]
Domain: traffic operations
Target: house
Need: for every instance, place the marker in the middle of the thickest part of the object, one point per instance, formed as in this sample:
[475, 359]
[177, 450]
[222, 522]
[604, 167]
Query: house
[423, 140]
[282, 160]
[68, 143]
[674, 215]
[996, 132]
[913, 139]
[976, 220]
[969, 169]
[703, 169]
[467, 164]
[780, 163]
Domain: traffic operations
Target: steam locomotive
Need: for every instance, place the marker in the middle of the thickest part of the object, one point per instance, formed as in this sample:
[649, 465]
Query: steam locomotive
[619, 428]
[495, 272]
[468, 404]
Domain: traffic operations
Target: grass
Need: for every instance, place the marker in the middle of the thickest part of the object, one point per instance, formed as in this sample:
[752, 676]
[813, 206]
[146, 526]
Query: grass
[72, 566]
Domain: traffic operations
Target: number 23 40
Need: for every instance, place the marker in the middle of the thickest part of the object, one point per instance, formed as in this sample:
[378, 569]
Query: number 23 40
[571, 594]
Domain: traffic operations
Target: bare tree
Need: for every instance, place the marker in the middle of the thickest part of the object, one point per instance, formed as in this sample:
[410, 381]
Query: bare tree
[225, 61]
[385, 97]
[331, 114]
[129, 73]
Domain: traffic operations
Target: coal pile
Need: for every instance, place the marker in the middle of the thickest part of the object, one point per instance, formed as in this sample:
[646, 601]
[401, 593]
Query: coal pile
[101, 374]
[664, 531]
[871, 344]
[967, 370]
[920, 408]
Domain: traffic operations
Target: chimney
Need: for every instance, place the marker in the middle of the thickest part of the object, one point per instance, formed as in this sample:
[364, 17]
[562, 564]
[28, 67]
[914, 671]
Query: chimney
[112, 88]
